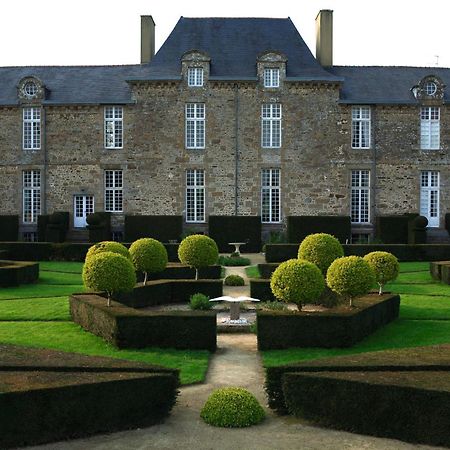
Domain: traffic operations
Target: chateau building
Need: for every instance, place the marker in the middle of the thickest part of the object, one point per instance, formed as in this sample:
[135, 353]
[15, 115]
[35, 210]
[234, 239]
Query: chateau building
[232, 116]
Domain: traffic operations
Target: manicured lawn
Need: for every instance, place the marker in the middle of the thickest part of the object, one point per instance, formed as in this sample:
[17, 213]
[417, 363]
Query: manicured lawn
[424, 320]
[252, 272]
[37, 315]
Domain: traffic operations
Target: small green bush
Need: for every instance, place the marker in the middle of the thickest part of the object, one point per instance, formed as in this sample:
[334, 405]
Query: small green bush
[110, 272]
[321, 249]
[272, 306]
[198, 251]
[385, 266]
[350, 276]
[233, 261]
[149, 256]
[297, 281]
[232, 407]
[234, 280]
[108, 246]
[200, 302]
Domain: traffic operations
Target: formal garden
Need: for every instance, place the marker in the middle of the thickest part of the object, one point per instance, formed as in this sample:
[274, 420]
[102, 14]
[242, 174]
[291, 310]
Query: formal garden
[370, 333]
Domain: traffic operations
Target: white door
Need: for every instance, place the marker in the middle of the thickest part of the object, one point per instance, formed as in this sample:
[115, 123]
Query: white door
[82, 206]
[429, 196]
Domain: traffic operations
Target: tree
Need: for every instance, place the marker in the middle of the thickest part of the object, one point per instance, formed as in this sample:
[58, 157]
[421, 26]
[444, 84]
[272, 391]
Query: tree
[107, 246]
[385, 266]
[149, 256]
[198, 251]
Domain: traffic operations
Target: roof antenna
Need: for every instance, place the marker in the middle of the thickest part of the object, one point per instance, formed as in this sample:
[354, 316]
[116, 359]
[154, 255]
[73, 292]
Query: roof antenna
[437, 60]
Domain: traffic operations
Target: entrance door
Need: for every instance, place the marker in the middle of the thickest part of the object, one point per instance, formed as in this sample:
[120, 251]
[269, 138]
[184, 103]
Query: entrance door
[82, 206]
[429, 196]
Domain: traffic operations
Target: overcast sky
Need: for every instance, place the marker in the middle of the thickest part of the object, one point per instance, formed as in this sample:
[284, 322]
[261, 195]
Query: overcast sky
[85, 32]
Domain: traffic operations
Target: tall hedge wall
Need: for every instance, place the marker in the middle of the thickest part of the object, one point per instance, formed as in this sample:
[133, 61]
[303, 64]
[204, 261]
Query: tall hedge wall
[298, 227]
[393, 229]
[162, 228]
[9, 228]
[225, 229]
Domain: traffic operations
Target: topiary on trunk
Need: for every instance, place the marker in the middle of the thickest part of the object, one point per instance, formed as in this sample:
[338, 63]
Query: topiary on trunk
[108, 246]
[385, 266]
[149, 256]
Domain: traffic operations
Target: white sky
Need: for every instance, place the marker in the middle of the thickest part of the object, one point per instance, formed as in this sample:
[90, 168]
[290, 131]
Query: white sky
[85, 32]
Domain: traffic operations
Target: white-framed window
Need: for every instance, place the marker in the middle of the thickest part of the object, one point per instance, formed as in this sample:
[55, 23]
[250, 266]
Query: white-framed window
[113, 190]
[113, 127]
[270, 196]
[360, 127]
[195, 195]
[195, 125]
[31, 195]
[271, 125]
[429, 196]
[195, 76]
[271, 78]
[31, 128]
[360, 196]
[429, 128]
[430, 88]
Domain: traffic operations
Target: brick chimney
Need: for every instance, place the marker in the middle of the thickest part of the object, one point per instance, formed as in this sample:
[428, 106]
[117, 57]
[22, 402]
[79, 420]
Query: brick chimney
[324, 37]
[147, 39]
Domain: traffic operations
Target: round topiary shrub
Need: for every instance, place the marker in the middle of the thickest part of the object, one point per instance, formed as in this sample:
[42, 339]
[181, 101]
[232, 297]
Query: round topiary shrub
[350, 276]
[297, 281]
[110, 272]
[321, 249]
[198, 251]
[149, 256]
[200, 302]
[420, 222]
[385, 266]
[234, 280]
[108, 246]
[232, 407]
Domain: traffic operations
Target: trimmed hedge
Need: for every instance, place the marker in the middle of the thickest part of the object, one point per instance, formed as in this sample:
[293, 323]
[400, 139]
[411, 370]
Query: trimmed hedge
[161, 228]
[9, 228]
[225, 229]
[376, 403]
[328, 329]
[298, 227]
[182, 272]
[126, 327]
[393, 229]
[440, 270]
[260, 289]
[13, 273]
[99, 226]
[267, 269]
[276, 253]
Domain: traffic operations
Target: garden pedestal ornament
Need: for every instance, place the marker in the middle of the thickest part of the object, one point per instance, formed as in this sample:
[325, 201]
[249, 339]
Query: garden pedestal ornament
[237, 246]
[235, 307]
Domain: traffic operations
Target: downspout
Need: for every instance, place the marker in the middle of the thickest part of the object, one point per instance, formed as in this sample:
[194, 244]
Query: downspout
[236, 148]
[45, 157]
[374, 170]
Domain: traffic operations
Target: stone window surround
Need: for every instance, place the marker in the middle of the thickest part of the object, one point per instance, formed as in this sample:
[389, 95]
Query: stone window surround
[195, 125]
[198, 60]
[360, 197]
[113, 127]
[361, 136]
[31, 195]
[31, 128]
[430, 128]
[195, 76]
[24, 96]
[113, 190]
[271, 125]
[195, 196]
[273, 189]
[271, 60]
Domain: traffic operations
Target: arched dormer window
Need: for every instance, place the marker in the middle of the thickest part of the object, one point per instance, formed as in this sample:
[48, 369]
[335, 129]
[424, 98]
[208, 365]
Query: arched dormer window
[30, 90]
[429, 90]
[271, 68]
[195, 68]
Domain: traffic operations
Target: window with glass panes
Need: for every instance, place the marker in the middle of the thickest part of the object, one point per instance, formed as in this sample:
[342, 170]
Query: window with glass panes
[271, 125]
[31, 195]
[271, 78]
[429, 128]
[361, 127]
[195, 125]
[31, 128]
[360, 196]
[195, 76]
[113, 190]
[429, 196]
[195, 195]
[113, 127]
[270, 196]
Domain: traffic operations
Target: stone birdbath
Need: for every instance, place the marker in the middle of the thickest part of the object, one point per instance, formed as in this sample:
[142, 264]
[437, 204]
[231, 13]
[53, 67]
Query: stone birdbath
[235, 307]
[237, 246]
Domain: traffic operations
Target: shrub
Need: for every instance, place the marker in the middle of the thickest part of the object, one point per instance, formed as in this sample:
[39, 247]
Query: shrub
[272, 306]
[108, 246]
[350, 276]
[232, 407]
[297, 281]
[198, 251]
[234, 280]
[149, 256]
[385, 266]
[200, 301]
[110, 272]
[321, 249]
[233, 261]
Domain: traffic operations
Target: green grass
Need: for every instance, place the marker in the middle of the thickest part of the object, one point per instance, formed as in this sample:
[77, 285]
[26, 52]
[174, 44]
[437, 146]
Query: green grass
[59, 278]
[252, 272]
[39, 290]
[424, 320]
[35, 309]
[61, 266]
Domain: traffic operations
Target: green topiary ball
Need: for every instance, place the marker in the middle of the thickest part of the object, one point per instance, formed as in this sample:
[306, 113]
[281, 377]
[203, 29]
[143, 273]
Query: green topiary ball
[200, 302]
[149, 256]
[350, 276]
[108, 246]
[321, 249]
[198, 251]
[234, 280]
[232, 407]
[297, 281]
[110, 272]
[385, 266]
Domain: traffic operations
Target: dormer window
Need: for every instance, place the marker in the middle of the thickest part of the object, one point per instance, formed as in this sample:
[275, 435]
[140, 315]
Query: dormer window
[271, 78]
[195, 76]
[430, 88]
[30, 89]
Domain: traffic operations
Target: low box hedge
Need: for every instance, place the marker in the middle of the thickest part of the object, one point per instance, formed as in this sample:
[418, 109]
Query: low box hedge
[439, 270]
[266, 270]
[126, 327]
[162, 228]
[9, 227]
[260, 289]
[404, 252]
[328, 329]
[13, 273]
[182, 272]
[298, 227]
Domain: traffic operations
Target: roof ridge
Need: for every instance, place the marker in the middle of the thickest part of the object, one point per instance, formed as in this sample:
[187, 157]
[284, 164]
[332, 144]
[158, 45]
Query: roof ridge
[79, 66]
[390, 67]
[235, 18]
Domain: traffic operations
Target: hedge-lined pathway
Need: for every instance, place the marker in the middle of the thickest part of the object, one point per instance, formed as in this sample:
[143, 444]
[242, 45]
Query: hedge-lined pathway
[236, 363]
